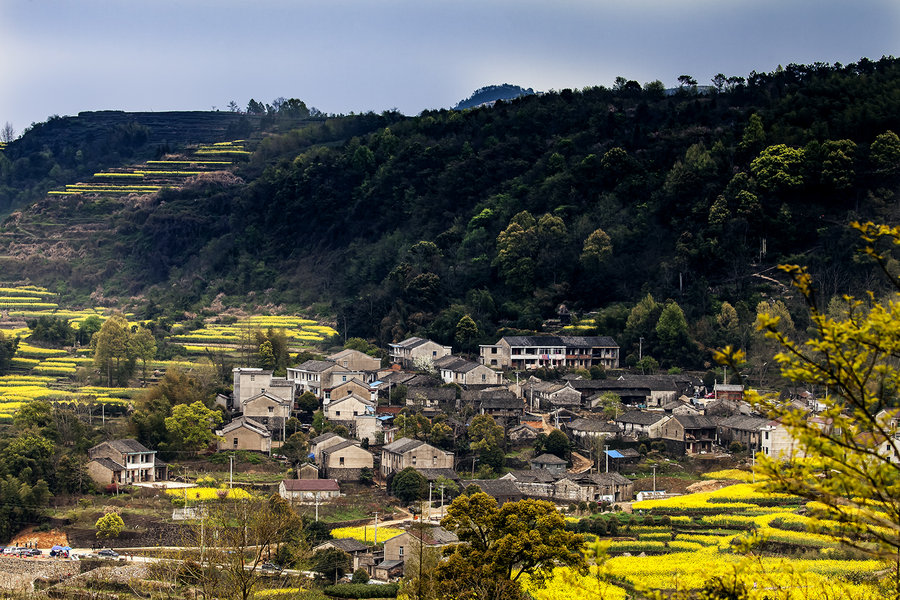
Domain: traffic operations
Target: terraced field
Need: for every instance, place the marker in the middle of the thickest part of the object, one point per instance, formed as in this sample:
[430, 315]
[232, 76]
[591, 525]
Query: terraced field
[49, 373]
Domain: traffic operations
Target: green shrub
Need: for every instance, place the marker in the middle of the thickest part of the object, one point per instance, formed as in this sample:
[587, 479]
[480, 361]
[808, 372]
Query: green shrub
[362, 590]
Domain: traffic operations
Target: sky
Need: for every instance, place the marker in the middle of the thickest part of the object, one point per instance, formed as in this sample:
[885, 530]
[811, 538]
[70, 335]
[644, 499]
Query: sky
[60, 57]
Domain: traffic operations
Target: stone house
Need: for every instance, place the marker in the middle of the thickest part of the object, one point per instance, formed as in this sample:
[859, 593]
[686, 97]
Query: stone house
[352, 386]
[640, 424]
[696, 434]
[346, 460]
[777, 441]
[320, 443]
[305, 491]
[408, 545]
[522, 434]
[532, 352]
[317, 376]
[584, 431]
[348, 407]
[454, 369]
[124, 462]
[249, 382]
[243, 433]
[405, 353]
[359, 552]
[355, 360]
[745, 430]
[550, 462]
[268, 409]
[503, 490]
[405, 452]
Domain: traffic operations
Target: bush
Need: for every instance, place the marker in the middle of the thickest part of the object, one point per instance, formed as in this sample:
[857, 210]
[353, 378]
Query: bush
[360, 576]
[736, 447]
[362, 590]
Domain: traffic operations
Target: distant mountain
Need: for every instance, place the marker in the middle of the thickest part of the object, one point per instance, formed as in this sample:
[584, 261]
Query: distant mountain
[491, 93]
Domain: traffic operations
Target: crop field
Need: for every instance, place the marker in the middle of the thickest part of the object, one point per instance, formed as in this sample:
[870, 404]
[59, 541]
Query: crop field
[41, 373]
[154, 175]
[365, 534]
[697, 544]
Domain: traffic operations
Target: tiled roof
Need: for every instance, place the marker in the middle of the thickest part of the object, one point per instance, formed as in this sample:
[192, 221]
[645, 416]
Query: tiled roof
[412, 342]
[315, 366]
[311, 485]
[248, 423]
[325, 436]
[695, 422]
[592, 425]
[128, 446]
[569, 341]
[641, 418]
[109, 464]
[349, 545]
[549, 459]
[402, 445]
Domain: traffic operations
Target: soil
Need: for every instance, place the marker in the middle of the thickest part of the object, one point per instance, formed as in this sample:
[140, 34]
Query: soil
[40, 539]
[710, 485]
[672, 485]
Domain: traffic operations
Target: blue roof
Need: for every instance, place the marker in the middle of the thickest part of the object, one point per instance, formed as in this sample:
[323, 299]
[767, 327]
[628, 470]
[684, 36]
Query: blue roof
[614, 454]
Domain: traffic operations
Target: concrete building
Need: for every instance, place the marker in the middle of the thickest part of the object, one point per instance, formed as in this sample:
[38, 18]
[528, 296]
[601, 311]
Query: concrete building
[532, 352]
[243, 433]
[405, 452]
[406, 352]
[123, 462]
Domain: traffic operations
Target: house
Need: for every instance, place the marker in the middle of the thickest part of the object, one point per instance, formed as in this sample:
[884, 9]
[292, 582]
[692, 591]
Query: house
[348, 407]
[250, 381]
[743, 429]
[724, 391]
[652, 391]
[532, 352]
[405, 452]
[373, 428]
[305, 491]
[640, 424]
[355, 360]
[268, 409]
[454, 369]
[584, 431]
[431, 398]
[346, 460]
[407, 352]
[243, 433]
[352, 386]
[696, 433]
[523, 434]
[605, 487]
[563, 396]
[320, 443]
[358, 551]
[123, 462]
[503, 490]
[777, 441]
[316, 376]
[410, 545]
[307, 471]
[550, 462]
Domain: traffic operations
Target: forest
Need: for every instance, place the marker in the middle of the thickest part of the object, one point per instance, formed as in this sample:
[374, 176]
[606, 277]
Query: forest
[658, 217]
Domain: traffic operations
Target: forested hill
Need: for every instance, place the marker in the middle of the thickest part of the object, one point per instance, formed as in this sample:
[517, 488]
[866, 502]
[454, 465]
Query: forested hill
[593, 198]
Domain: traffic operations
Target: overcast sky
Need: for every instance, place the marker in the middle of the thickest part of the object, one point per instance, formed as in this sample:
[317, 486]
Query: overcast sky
[59, 57]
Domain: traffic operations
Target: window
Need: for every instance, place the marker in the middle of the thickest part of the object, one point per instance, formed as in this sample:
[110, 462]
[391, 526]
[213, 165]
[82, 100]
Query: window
[253, 378]
[413, 460]
[434, 460]
[337, 413]
[433, 353]
[400, 551]
[483, 377]
[341, 461]
[235, 442]
[271, 409]
[493, 350]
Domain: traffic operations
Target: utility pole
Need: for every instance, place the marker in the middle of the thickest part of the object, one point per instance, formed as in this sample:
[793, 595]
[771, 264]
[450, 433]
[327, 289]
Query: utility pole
[317, 506]
[231, 471]
[606, 452]
[640, 348]
[654, 480]
[376, 528]
[442, 501]
[429, 501]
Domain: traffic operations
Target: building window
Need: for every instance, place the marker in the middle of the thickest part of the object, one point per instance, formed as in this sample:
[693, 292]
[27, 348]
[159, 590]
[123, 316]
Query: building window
[413, 460]
[433, 353]
[337, 413]
[493, 351]
[235, 442]
[483, 377]
[434, 461]
[341, 460]
[271, 409]
[400, 551]
[253, 378]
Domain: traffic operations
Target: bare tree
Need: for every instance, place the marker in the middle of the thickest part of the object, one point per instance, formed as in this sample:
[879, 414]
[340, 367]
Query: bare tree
[8, 133]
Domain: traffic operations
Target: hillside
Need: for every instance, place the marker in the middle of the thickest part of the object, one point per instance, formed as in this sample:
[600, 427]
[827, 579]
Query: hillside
[593, 198]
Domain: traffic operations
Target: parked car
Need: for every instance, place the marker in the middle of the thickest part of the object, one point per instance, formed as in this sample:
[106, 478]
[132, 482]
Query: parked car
[108, 553]
[11, 550]
[35, 552]
[270, 566]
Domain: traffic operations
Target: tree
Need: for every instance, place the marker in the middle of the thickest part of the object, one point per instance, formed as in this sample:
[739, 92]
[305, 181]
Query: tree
[846, 468]
[109, 525]
[265, 356]
[557, 443]
[686, 81]
[332, 563]
[596, 250]
[609, 405]
[52, 330]
[486, 438]
[8, 133]
[8, 347]
[754, 135]
[142, 345]
[307, 402]
[499, 545]
[466, 332]
[191, 425]
[87, 329]
[409, 485]
[111, 349]
[884, 153]
[778, 168]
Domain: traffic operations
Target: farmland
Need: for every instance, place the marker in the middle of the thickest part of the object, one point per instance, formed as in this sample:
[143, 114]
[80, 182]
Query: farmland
[739, 532]
[44, 373]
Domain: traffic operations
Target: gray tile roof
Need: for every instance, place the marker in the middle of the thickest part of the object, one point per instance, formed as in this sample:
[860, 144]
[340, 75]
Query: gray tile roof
[641, 418]
[325, 436]
[592, 425]
[128, 446]
[695, 422]
[569, 341]
[109, 464]
[402, 445]
[549, 459]
[498, 488]
[315, 366]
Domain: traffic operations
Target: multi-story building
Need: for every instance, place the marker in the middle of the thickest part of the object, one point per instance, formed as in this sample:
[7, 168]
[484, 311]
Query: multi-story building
[536, 351]
[124, 462]
[405, 452]
[406, 352]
